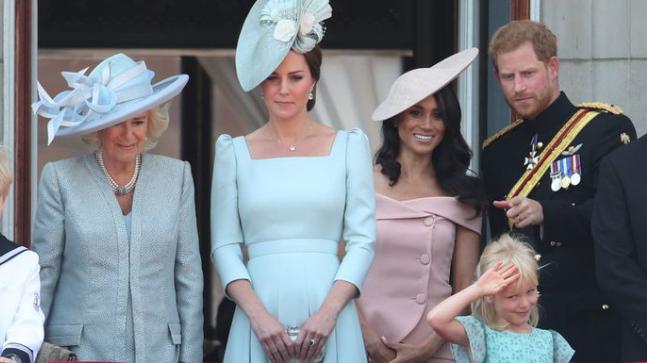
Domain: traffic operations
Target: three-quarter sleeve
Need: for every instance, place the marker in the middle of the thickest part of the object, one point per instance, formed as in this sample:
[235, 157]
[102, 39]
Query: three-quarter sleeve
[226, 232]
[49, 234]
[359, 215]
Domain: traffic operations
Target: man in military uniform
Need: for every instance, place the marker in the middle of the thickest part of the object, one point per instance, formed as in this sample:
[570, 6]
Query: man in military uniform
[620, 232]
[541, 174]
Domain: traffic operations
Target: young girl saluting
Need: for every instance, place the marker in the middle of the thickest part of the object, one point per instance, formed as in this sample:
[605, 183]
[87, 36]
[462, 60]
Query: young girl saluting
[502, 327]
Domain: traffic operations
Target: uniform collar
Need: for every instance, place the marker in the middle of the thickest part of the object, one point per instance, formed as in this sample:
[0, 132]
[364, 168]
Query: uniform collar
[6, 245]
[553, 117]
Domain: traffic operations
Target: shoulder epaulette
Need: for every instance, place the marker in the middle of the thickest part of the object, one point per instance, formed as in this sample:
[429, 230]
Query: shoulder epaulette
[501, 132]
[602, 106]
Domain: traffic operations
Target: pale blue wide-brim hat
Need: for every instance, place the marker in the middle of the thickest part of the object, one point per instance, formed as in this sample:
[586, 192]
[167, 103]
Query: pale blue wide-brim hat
[273, 28]
[116, 89]
[417, 84]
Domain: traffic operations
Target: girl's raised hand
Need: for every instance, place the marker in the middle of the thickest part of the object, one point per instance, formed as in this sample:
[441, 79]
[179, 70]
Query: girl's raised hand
[497, 277]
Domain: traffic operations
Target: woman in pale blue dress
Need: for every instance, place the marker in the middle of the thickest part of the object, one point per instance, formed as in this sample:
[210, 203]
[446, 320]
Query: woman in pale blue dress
[502, 327]
[290, 191]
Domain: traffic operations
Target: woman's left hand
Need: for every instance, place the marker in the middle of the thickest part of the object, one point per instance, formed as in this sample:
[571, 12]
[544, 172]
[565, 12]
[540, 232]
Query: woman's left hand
[407, 353]
[314, 333]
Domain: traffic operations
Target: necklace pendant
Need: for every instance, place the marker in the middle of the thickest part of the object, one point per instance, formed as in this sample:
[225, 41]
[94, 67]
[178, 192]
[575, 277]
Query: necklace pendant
[121, 190]
[292, 147]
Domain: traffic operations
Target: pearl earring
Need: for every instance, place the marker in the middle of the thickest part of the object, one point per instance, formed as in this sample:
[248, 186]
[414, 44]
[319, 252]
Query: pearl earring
[311, 96]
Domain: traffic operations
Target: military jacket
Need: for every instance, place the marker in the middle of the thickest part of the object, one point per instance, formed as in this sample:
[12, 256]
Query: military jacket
[563, 241]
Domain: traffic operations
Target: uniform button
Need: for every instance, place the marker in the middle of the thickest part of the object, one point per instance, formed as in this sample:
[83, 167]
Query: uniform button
[421, 298]
[555, 244]
[572, 204]
[424, 259]
[428, 221]
[537, 257]
[605, 307]
[552, 243]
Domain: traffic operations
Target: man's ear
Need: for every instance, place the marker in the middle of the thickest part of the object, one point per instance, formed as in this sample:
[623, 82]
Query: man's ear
[553, 67]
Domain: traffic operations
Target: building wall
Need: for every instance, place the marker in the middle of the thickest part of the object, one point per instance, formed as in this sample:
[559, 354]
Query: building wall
[603, 52]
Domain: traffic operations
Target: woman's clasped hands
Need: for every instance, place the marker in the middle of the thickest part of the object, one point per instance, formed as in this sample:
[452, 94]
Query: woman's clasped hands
[308, 344]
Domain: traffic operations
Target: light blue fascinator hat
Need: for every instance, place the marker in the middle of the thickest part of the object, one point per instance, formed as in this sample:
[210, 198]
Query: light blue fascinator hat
[116, 89]
[273, 28]
[417, 84]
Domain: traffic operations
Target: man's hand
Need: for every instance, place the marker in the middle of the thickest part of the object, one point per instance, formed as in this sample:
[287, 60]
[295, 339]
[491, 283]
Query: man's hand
[522, 211]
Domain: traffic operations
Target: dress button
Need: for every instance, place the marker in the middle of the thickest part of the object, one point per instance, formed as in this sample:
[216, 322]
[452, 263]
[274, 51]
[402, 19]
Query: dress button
[555, 244]
[421, 299]
[552, 243]
[424, 259]
[605, 307]
[428, 221]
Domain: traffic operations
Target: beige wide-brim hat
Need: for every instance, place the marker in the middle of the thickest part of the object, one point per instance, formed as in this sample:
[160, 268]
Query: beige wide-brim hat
[415, 85]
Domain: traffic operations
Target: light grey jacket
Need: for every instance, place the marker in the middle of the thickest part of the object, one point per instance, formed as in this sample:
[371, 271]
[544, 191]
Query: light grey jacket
[82, 241]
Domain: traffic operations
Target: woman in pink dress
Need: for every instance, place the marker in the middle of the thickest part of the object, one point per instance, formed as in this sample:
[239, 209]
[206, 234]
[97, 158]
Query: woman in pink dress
[428, 215]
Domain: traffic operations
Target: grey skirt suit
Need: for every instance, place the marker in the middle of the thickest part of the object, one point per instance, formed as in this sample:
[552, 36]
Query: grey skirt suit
[103, 290]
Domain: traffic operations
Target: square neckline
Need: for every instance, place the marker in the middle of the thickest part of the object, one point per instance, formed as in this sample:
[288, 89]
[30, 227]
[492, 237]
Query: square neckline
[329, 154]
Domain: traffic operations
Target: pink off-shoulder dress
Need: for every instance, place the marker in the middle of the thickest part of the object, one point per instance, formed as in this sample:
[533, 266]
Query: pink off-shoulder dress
[411, 270]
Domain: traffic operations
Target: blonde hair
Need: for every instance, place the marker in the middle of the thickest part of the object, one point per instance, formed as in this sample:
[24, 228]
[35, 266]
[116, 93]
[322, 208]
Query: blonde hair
[507, 249]
[512, 35]
[158, 119]
[5, 172]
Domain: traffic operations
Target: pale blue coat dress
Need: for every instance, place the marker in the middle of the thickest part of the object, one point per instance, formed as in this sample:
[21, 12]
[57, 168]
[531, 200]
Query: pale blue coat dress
[291, 212]
[115, 288]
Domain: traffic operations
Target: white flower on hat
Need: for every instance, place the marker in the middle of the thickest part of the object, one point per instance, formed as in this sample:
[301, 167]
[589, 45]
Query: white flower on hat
[285, 30]
[307, 22]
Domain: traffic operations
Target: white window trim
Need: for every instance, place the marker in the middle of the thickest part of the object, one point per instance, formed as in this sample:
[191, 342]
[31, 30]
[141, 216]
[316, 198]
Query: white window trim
[8, 34]
[468, 82]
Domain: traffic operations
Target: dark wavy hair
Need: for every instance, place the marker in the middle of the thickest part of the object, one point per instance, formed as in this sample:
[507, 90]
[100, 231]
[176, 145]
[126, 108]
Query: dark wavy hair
[313, 60]
[450, 159]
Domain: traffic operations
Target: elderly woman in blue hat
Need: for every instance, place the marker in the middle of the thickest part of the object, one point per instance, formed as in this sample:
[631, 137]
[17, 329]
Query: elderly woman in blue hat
[290, 191]
[115, 229]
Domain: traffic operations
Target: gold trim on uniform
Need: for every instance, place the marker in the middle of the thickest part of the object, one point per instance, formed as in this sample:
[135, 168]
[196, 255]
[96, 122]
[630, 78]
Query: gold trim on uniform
[501, 132]
[602, 107]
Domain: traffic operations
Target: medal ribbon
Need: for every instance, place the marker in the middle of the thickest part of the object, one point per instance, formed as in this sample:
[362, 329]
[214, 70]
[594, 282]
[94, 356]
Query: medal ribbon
[559, 143]
[576, 164]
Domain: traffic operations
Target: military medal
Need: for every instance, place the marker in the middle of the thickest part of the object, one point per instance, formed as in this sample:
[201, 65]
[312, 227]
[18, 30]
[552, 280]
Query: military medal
[555, 176]
[565, 182]
[532, 159]
[565, 172]
[576, 177]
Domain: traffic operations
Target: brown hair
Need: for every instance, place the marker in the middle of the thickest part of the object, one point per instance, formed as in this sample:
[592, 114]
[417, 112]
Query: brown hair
[313, 59]
[512, 35]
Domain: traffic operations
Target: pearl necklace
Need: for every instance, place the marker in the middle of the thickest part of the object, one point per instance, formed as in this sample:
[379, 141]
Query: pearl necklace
[119, 190]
